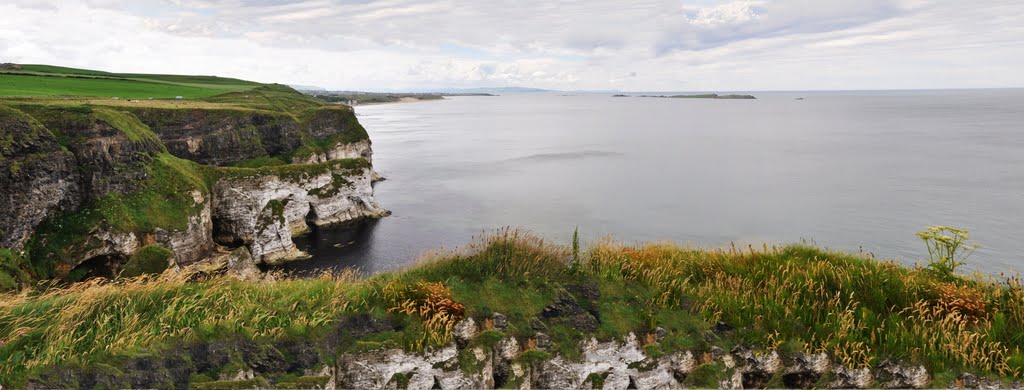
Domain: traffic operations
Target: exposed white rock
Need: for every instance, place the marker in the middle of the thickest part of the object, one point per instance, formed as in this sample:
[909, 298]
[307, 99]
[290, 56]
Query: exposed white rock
[195, 242]
[360, 149]
[237, 263]
[264, 212]
[616, 365]
[103, 242]
[850, 378]
[892, 375]
[507, 348]
[374, 370]
[805, 370]
[464, 330]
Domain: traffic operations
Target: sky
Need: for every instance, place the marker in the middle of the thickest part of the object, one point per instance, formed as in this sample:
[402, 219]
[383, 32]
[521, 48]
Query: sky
[636, 45]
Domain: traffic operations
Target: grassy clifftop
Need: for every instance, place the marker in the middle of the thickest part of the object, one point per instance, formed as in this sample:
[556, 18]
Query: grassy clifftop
[47, 80]
[789, 299]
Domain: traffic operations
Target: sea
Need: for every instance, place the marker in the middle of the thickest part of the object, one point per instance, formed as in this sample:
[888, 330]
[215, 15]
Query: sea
[859, 171]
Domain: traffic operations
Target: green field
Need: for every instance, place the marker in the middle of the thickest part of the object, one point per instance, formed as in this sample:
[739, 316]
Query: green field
[46, 80]
[184, 79]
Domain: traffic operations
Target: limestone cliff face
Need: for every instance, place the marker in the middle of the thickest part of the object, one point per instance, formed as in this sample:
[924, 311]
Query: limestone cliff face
[358, 149]
[224, 137]
[37, 174]
[221, 137]
[84, 184]
[265, 211]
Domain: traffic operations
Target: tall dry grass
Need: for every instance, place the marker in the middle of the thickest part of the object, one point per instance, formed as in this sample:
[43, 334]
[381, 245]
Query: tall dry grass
[97, 317]
[857, 309]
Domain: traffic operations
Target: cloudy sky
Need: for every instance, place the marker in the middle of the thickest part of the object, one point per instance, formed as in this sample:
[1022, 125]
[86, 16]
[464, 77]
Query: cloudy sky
[636, 45]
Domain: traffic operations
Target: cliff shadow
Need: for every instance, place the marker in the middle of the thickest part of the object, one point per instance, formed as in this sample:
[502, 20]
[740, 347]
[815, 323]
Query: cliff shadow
[335, 247]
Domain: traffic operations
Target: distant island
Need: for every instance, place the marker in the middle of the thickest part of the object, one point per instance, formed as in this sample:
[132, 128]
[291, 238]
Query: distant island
[362, 98]
[695, 96]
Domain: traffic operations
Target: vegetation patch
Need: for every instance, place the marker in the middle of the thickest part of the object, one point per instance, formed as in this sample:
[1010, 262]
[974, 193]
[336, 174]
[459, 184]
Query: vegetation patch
[126, 123]
[338, 182]
[16, 130]
[260, 162]
[164, 201]
[149, 260]
[12, 270]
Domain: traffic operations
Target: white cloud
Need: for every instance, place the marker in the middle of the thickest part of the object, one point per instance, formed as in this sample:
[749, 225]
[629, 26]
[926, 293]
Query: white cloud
[596, 44]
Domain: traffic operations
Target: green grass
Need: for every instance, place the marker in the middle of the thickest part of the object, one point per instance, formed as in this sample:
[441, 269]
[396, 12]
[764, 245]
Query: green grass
[261, 162]
[32, 85]
[791, 298]
[271, 97]
[16, 128]
[184, 79]
[127, 123]
[48, 80]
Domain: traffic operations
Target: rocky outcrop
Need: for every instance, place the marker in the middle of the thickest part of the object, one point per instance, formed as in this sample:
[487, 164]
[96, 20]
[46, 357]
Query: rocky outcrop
[383, 369]
[359, 149]
[611, 365]
[237, 263]
[264, 211]
[195, 242]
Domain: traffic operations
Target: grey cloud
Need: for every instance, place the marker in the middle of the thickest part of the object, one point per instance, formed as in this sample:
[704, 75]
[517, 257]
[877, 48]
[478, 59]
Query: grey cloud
[568, 44]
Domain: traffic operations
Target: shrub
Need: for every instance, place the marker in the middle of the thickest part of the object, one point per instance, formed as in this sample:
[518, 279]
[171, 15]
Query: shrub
[948, 248]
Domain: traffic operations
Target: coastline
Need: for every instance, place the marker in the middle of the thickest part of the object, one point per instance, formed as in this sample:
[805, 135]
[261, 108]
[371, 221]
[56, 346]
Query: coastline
[406, 99]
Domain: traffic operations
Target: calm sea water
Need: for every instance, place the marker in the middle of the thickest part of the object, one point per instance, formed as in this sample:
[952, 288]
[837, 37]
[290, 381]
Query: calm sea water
[848, 170]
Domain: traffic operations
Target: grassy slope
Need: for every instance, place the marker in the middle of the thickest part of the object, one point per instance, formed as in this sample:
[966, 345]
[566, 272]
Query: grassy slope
[792, 298]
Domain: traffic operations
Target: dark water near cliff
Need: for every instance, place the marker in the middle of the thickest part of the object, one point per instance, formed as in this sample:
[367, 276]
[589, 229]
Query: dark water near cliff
[848, 170]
